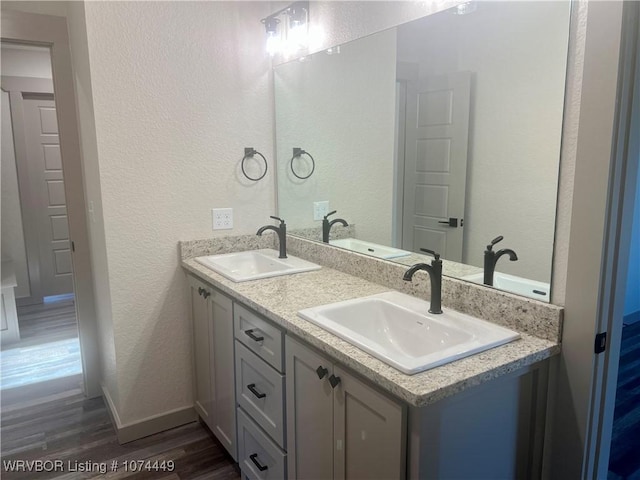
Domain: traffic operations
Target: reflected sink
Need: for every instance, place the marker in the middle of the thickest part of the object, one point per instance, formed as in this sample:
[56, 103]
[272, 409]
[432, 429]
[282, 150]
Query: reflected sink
[369, 248]
[517, 285]
[255, 264]
[397, 329]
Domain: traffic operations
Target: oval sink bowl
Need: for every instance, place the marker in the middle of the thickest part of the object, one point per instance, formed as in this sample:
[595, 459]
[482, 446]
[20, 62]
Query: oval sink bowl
[514, 284]
[369, 248]
[397, 329]
[255, 264]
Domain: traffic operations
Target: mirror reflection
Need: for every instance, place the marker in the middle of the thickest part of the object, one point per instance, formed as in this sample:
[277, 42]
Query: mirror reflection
[440, 134]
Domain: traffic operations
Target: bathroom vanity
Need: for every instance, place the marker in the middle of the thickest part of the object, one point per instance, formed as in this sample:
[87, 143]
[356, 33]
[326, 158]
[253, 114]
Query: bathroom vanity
[288, 399]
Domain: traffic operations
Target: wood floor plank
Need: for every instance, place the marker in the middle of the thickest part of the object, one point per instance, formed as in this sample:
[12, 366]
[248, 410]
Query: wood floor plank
[64, 426]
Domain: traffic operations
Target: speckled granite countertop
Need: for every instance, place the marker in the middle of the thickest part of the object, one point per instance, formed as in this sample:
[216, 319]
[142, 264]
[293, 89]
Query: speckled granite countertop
[280, 298]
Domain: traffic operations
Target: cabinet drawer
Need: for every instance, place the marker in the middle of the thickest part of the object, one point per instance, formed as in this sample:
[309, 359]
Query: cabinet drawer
[260, 336]
[260, 392]
[258, 456]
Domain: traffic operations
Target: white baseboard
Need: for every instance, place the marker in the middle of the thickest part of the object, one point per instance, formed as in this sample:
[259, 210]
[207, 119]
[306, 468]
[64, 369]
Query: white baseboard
[147, 426]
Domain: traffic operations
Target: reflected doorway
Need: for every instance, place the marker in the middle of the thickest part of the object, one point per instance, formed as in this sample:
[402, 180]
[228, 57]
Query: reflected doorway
[39, 323]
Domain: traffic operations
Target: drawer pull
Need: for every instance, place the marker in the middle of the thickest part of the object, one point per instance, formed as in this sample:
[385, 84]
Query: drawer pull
[253, 458]
[252, 389]
[322, 372]
[334, 381]
[249, 333]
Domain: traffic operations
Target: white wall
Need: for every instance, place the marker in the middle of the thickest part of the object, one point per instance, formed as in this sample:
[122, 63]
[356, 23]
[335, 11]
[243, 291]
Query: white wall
[91, 173]
[323, 107]
[178, 89]
[25, 61]
[515, 124]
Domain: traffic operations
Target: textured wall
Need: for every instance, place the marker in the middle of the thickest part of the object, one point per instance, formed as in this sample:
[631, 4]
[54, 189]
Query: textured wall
[91, 172]
[341, 108]
[179, 88]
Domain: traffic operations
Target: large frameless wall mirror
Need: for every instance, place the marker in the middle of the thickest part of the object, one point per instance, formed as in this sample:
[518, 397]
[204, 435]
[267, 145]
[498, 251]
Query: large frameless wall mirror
[443, 133]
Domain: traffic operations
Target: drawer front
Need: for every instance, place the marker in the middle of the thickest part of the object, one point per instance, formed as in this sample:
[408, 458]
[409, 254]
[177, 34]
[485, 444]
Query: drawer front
[260, 336]
[260, 392]
[258, 456]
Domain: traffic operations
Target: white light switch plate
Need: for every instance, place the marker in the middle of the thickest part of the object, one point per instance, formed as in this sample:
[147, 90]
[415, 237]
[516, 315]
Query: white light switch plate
[222, 218]
[320, 209]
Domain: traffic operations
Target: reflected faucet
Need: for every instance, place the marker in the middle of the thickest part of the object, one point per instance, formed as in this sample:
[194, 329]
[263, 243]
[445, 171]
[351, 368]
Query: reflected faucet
[435, 276]
[282, 235]
[491, 258]
[326, 225]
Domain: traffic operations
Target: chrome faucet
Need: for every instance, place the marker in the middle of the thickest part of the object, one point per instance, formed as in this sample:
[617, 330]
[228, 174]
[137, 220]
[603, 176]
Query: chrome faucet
[491, 258]
[282, 235]
[435, 276]
[326, 225]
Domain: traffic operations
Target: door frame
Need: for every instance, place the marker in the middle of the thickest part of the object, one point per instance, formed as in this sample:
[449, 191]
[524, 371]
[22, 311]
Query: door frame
[51, 31]
[620, 211]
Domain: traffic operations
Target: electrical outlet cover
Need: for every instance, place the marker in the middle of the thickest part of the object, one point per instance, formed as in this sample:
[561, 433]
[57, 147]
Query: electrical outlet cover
[320, 209]
[222, 218]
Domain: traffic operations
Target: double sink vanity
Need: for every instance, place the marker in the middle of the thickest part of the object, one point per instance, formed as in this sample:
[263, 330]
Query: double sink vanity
[327, 364]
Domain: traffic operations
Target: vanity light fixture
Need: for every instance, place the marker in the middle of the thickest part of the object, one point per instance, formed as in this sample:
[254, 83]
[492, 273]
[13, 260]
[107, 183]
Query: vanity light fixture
[465, 8]
[289, 34]
[333, 50]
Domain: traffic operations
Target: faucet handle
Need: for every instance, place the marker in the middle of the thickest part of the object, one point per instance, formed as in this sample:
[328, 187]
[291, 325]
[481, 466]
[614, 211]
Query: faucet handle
[276, 218]
[431, 252]
[494, 241]
[330, 213]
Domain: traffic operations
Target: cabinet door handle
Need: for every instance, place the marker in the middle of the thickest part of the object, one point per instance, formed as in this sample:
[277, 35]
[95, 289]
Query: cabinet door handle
[253, 458]
[249, 333]
[200, 291]
[334, 381]
[322, 372]
[205, 293]
[252, 389]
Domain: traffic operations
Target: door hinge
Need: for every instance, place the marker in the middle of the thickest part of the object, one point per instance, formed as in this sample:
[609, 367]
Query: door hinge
[600, 343]
[73, 247]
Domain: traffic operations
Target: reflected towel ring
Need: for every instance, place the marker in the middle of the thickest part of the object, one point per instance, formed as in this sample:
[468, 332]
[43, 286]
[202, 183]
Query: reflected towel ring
[249, 152]
[298, 152]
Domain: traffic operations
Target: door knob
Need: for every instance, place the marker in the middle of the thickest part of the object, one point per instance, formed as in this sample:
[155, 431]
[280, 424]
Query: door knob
[334, 381]
[322, 372]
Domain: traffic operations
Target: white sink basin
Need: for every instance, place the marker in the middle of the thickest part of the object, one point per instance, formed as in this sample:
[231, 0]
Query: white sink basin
[397, 329]
[369, 248]
[513, 284]
[255, 264]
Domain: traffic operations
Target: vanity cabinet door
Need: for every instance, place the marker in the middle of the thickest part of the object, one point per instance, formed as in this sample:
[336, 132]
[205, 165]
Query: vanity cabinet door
[212, 316]
[223, 363]
[309, 413]
[202, 361]
[368, 430]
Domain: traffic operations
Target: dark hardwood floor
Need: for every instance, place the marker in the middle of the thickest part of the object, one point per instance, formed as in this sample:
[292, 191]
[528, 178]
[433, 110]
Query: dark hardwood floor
[624, 460]
[53, 421]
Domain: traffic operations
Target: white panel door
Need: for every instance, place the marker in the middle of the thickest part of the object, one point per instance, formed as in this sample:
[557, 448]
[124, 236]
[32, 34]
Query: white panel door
[49, 204]
[436, 136]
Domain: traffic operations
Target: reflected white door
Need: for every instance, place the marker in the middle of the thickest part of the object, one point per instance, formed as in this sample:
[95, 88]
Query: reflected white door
[435, 172]
[48, 202]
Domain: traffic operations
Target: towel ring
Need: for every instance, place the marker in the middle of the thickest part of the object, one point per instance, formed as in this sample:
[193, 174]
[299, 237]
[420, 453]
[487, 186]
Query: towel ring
[298, 152]
[249, 152]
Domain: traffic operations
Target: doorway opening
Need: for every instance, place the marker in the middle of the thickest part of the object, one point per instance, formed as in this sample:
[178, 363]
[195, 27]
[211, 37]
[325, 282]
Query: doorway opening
[39, 322]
